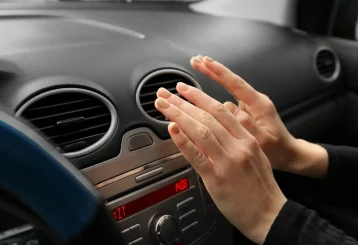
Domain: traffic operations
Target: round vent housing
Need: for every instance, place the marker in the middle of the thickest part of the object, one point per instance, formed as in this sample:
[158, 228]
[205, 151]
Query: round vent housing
[147, 90]
[327, 64]
[76, 121]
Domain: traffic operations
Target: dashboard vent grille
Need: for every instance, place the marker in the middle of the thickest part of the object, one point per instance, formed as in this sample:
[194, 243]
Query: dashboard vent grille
[76, 121]
[146, 94]
[327, 64]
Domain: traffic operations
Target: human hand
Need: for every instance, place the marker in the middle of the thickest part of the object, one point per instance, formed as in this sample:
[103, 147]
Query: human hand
[234, 169]
[257, 113]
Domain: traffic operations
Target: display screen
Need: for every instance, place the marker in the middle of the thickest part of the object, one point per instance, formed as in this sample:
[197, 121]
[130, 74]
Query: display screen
[150, 199]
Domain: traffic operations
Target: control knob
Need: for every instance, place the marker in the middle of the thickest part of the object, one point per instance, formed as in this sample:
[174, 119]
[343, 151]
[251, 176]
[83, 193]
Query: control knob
[164, 229]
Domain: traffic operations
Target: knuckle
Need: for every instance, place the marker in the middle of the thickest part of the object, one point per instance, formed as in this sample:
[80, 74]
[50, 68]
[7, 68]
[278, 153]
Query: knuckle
[204, 132]
[176, 113]
[218, 107]
[205, 117]
[252, 144]
[244, 119]
[183, 142]
[199, 157]
[179, 101]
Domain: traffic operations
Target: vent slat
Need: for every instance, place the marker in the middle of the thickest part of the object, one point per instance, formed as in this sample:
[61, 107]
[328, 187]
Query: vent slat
[78, 131]
[67, 107]
[154, 84]
[59, 104]
[82, 139]
[65, 113]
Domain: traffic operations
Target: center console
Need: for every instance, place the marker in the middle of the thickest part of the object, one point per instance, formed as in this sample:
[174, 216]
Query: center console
[161, 201]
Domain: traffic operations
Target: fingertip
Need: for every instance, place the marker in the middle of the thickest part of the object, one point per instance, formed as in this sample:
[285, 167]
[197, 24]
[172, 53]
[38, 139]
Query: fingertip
[173, 128]
[161, 103]
[230, 106]
[163, 93]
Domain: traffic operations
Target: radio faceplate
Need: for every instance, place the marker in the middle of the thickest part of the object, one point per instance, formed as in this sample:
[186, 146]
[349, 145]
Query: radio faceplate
[181, 216]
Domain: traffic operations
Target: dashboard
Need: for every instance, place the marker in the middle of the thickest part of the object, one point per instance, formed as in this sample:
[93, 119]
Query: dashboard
[84, 75]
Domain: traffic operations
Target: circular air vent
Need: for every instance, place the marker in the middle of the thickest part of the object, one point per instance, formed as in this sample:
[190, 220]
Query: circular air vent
[327, 64]
[147, 90]
[76, 121]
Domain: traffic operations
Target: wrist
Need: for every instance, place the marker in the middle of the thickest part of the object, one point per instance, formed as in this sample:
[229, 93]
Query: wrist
[267, 218]
[307, 159]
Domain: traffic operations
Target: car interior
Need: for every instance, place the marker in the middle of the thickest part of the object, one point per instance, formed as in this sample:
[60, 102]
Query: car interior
[79, 78]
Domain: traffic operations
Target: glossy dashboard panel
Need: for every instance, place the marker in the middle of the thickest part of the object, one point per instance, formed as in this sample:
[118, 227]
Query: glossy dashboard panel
[109, 48]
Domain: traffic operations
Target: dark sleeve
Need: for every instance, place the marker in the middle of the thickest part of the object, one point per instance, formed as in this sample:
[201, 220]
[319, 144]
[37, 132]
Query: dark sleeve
[342, 164]
[297, 225]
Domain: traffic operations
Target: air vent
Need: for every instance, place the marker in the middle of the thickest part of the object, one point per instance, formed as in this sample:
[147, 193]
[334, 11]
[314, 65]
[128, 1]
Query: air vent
[76, 121]
[327, 64]
[167, 78]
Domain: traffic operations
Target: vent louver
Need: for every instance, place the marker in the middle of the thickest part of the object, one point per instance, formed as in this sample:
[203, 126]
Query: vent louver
[168, 78]
[327, 64]
[76, 121]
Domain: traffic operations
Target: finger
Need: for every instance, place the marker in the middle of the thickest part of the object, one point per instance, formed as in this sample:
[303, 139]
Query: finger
[248, 123]
[198, 133]
[240, 89]
[215, 108]
[197, 63]
[230, 106]
[203, 117]
[191, 152]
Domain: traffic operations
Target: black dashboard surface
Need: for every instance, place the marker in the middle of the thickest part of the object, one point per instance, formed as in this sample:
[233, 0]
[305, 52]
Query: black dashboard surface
[111, 47]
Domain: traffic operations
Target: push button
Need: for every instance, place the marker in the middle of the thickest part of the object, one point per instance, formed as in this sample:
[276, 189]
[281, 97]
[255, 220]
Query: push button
[139, 241]
[139, 141]
[149, 174]
[189, 228]
[126, 234]
[188, 218]
[135, 230]
[185, 205]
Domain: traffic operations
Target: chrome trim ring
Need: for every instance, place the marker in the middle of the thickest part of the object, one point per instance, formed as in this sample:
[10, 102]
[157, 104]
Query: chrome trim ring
[112, 110]
[337, 64]
[156, 73]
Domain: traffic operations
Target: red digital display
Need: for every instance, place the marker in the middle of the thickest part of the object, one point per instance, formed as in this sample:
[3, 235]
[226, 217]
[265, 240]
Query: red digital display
[150, 199]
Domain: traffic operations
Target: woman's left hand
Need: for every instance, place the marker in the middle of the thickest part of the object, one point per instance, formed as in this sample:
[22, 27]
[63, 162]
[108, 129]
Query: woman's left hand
[235, 171]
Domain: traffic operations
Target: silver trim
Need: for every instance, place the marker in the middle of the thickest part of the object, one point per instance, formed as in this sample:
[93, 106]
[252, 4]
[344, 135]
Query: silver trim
[337, 65]
[112, 110]
[134, 171]
[156, 73]
[15, 231]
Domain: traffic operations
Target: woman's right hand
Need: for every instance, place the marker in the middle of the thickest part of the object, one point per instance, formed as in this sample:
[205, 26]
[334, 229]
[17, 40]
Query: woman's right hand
[257, 113]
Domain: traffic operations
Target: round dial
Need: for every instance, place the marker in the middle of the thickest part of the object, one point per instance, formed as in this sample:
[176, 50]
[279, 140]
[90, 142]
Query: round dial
[164, 229]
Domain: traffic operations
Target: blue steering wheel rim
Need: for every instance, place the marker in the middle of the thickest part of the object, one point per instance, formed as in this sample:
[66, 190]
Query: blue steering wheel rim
[41, 178]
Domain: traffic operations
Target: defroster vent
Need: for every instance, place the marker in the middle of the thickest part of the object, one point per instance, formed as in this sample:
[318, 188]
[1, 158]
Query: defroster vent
[76, 121]
[166, 78]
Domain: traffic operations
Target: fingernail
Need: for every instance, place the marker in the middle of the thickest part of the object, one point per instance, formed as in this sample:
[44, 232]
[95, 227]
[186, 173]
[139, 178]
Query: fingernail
[182, 87]
[174, 128]
[162, 103]
[164, 93]
[195, 59]
[201, 58]
[208, 59]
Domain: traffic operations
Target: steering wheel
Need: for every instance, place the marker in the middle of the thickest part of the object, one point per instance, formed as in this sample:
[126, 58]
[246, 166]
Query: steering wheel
[51, 188]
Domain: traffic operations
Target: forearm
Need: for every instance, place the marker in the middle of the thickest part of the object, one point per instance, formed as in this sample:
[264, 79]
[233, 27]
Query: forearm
[296, 225]
[308, 159]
